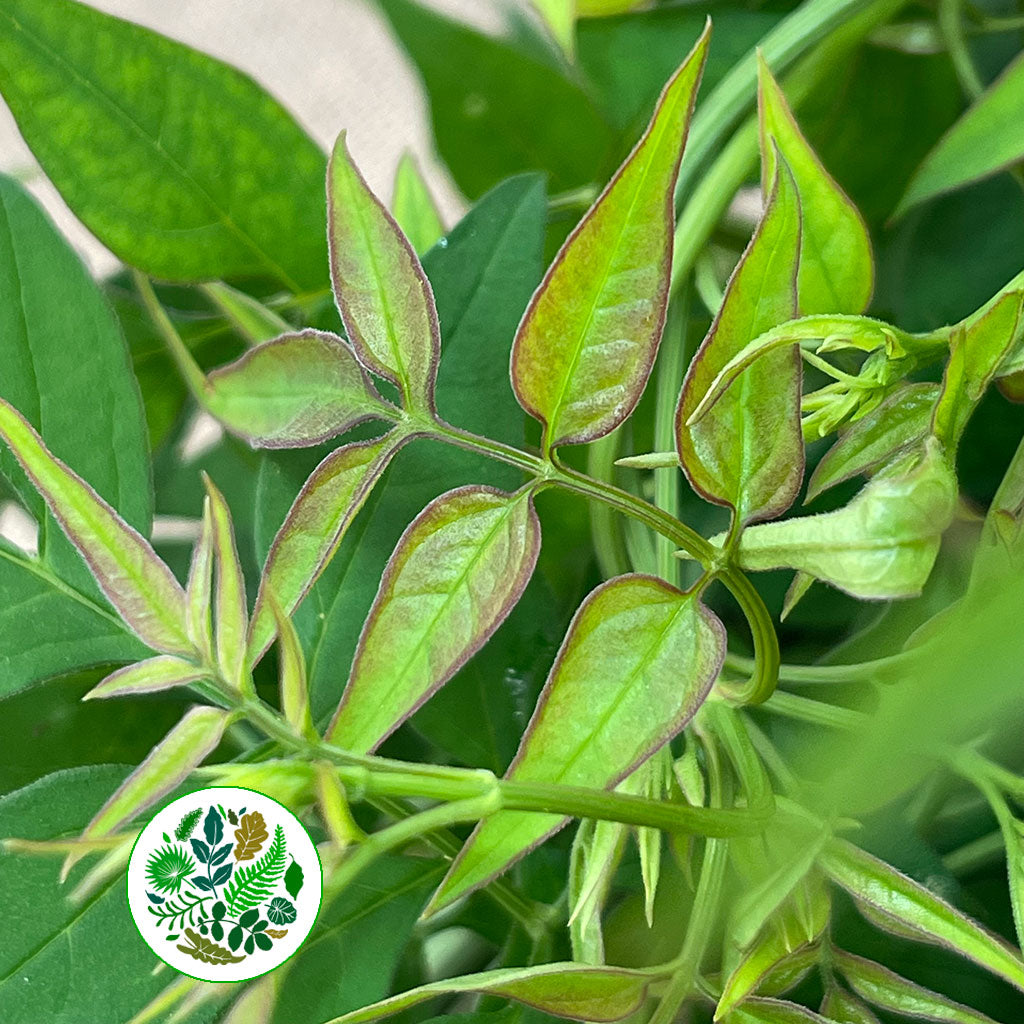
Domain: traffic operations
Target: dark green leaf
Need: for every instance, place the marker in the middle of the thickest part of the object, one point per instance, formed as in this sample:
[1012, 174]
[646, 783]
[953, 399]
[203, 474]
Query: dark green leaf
[293, 879]
[178, 163]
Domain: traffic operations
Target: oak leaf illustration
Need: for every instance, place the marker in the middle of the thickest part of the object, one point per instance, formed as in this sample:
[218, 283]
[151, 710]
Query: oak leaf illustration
[251, 835]
[207, 950]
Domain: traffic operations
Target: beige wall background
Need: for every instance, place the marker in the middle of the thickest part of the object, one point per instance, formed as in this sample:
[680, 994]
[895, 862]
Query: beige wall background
[333, 63]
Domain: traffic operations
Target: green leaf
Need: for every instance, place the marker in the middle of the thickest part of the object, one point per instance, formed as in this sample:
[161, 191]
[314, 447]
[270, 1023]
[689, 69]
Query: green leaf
[169, 763]
[413, 206]
[179, 164]
[893, 428]
[773, 1011]
[366, 928]
[51, 315]
[293, 879]
[137, 583]
[748, 451]
[199, 589]
[844, 1008]
[837, 271]
[253, 883]
[875, 883]
[57, 964]
[483, 279]
[978, 347]
[293, 392]
[560, 18]
[160, 673]
[596, 852]
[292, 669]
[770, 954]
[888, 991]
[232, 615]
[249, 317]
[565, 990]
[881, 545]
[313, 530]
[636, 664]
[485, 95]
[48, 628]
[587, 342]
[978, 145]
[385, 299]
[457, 572]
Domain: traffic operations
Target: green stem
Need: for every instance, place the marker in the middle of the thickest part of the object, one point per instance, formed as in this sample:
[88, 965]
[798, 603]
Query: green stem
[951, 27]
[815, 712]
[605, 533]
[976, 854]
[882, 669]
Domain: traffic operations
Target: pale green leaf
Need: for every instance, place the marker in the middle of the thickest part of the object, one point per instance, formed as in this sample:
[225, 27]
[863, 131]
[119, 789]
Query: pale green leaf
[560, 18]
[875, 883]
[888, 991]
[565, 990]
[596, 852]
[413, 206]
[636, 664]
[137, 583]
[199, 589]
[455, 575]
[981, 143]
[294, 691]
[294, 392]
[773, 1011]
[843, 1008]
[254, 321]
[836, 272]
[587, 342]
[314, 527]
[747, 451]
[385, 300]
[179, 164]
[231, 612]
[161, 673]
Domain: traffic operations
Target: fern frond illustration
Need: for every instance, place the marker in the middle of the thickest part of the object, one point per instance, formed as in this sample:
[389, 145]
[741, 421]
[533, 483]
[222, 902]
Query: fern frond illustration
[168, 867]
[254, 883]
[188, 907]
[187, 825]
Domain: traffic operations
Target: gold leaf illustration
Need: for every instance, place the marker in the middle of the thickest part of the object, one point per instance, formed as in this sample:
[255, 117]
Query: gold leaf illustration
[277, 933]
[207, 950]
[251, 835]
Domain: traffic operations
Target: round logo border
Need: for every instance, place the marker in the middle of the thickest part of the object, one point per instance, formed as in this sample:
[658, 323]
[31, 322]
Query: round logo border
[269, 970]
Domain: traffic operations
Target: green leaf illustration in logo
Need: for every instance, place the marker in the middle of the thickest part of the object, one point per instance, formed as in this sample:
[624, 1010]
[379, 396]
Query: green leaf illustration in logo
[188, 824]
[255, 882]
[213, 826]
[293, 879]
[281, 911]
[168, 867]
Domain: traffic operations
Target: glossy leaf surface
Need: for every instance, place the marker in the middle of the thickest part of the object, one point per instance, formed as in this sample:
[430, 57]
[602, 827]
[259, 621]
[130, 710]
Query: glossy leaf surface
[413, 206]
[160, 673]
[588, 339]
[979, 144]
[313, 530]
[888, 991]
[565, 990]
[181, 165]
[385, 300]
[638, 660]
[836, 272]
[456, 573]
[881, 545]
[126, 568]
[294, 391]
[913, 906]
[64, 358]
[896, 426]
[747, 452]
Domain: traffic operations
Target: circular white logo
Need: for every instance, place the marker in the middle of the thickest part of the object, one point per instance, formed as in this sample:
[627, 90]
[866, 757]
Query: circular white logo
[224, 884]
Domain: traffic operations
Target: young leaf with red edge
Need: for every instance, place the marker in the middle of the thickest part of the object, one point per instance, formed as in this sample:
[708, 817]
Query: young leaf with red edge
[138, 584]
[385, 300]
[586, 344]
[232, 614]
[313, 530]
[843, 1008]
[774, 1011]
[837, 271]
[888, 991]
[294, 691]
[199, 589]
[636, 664]
[293, 392]
[161, 673]
[872, 881]
[747, 451]
[457, 571]
[169, 763]
[566, 990]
